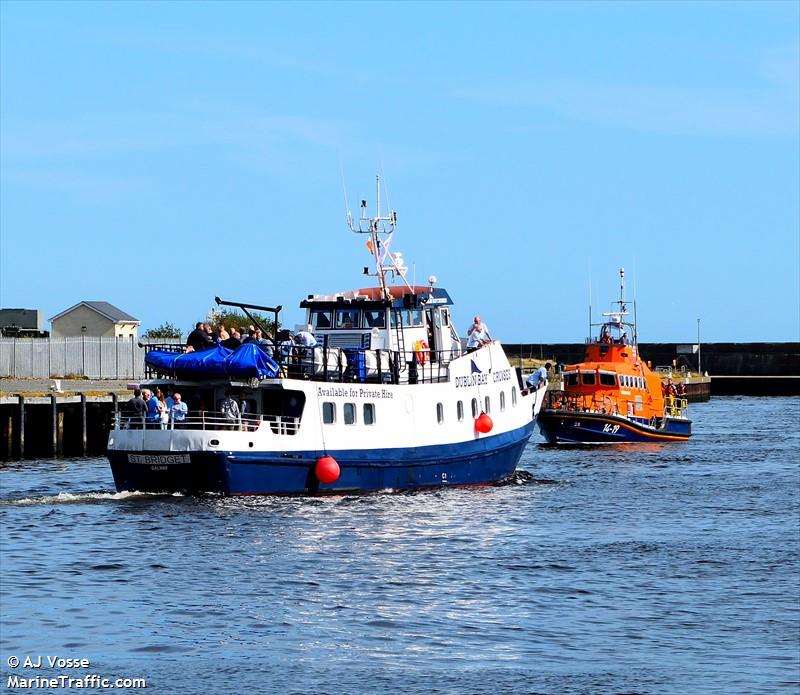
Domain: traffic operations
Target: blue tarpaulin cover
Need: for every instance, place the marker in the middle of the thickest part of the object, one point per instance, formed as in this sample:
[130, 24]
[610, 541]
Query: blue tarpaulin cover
[247, 361]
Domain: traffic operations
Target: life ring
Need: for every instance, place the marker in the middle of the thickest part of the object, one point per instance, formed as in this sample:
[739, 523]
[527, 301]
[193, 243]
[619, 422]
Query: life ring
[421, 348]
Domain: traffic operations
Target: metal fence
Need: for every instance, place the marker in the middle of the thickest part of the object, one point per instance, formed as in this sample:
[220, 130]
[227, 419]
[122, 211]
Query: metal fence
[86, 357]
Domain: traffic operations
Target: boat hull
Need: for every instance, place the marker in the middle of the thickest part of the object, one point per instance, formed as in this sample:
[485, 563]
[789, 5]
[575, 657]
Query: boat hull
[560, 427]
[482, 461]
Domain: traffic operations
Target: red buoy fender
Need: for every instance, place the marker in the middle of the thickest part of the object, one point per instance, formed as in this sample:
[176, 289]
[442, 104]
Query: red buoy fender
[483, 423]
[327, 470]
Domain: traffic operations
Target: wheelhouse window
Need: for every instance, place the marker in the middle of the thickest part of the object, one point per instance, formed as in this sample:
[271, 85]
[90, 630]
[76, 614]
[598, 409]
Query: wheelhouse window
[328, 413]
[406, 317]
[349, 413]
[439, 413]
[374, 318]
[320, 319]
[348, 318]
[571, 379]
[588, 378]
[607, 379]
[460, 410]
[369, 413]
[474, 407]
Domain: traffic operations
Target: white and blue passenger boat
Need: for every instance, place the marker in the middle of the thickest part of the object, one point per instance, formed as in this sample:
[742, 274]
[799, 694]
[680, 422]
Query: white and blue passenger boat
[386, 400]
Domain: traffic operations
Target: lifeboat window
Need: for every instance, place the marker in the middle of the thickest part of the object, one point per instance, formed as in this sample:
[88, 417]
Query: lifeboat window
[374, 318]
[572, 379]
[588, 377]
[349, 413]
[488, 405]
[502, 401]
[439, 413]
[514, 396]
[320, 319]
[474, 407]
[460, 410]
[328, 413]
[607, 379]
[369, 413]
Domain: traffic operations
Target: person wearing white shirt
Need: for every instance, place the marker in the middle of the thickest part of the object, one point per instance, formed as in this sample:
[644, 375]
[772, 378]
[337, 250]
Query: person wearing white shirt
[478, 334]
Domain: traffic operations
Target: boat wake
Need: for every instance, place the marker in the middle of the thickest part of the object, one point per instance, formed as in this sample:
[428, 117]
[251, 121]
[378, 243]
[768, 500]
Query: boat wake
[527, 478]
[80, 498]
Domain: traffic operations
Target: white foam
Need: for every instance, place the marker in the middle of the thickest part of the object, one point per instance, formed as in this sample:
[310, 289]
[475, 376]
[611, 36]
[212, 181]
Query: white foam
[78, 498]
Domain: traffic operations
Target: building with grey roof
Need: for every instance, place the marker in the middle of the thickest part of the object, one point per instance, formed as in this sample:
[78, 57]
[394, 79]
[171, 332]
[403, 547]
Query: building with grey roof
[94, 319]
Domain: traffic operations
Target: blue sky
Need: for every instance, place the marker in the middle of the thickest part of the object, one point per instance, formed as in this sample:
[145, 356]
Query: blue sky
[155, 155]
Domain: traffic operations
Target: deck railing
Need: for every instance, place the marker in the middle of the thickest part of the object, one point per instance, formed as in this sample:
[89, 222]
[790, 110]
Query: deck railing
[354, 364]
[600, 403]
[208, 420]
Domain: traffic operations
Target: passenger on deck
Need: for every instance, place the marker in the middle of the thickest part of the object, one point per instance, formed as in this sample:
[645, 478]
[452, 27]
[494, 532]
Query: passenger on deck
[478, 335]
[233, 341]
[305, 339]
[251, 336]
[624, 339]
[222, 333]
[229, 409]
[178, 410]
[198, 339]
[605, 336]
[539, 378]
[136, 410]
[153, 416]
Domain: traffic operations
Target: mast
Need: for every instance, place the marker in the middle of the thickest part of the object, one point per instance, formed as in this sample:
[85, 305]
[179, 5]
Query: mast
[380, 229]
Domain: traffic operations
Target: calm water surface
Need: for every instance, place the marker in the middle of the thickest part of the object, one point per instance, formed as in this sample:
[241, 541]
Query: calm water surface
[663, 569]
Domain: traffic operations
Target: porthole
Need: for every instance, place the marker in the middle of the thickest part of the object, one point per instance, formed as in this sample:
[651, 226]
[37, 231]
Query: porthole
[213, 442]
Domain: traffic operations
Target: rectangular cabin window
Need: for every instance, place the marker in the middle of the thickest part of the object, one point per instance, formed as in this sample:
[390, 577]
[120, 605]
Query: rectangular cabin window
[439, 413]
[328, 413]
[514, 396]
[320, 319]
[374, 318]
[445, 314]
[588, 378]
[474, 407]
[349, 413]
[607, 379]
[348, 318]
[488, 408]
[460, 410]
[407, 317]
[369, 413]
[502, 401]
[571, 379]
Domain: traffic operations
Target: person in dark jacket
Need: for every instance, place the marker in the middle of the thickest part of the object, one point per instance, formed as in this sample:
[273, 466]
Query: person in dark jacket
[136, 410]
[198, 339]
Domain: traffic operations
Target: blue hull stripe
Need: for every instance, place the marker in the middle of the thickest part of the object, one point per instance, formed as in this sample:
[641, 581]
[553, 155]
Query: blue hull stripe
[596, 428]
[481, 461]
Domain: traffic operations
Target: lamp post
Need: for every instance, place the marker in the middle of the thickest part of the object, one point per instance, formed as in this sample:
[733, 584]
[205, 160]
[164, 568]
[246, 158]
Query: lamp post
[699, 368]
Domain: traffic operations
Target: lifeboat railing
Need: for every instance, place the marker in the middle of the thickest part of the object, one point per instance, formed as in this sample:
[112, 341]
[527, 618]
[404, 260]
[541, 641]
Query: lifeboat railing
[208, 420]
[600, 403]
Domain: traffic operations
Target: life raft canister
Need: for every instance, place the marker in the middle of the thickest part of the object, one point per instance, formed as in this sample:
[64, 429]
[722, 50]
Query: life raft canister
[421, 348]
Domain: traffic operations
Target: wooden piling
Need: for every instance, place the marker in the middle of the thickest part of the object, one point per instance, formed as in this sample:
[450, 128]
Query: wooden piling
[10, 438]
[54, 422]
[84, 442]
[60, 434]
[22, 427]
